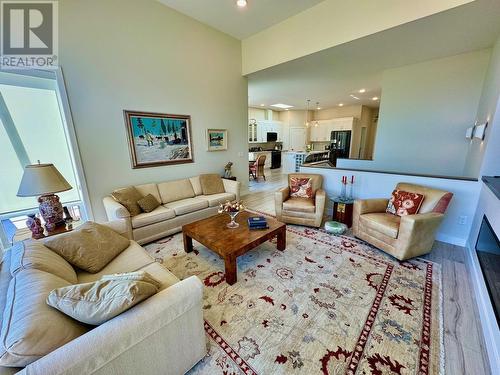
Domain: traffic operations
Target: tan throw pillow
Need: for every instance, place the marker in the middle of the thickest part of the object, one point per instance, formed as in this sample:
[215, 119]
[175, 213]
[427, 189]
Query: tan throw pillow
[148, 203]
[211, 184]
[97, 302]
[90, 247]
[30, 328]
[128, 197]
[34, 255]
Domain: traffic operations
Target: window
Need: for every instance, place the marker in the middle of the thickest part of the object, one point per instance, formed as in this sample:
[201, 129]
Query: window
[33, 128]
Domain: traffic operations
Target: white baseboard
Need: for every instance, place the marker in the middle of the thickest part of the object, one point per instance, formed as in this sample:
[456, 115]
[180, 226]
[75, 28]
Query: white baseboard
[487, 317]
[451, 239]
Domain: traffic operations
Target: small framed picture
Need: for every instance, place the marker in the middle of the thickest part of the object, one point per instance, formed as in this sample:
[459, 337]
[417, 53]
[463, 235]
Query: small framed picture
[217, 139]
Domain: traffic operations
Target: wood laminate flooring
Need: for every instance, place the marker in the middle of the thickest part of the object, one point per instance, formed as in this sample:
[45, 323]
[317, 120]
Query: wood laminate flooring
[465, 351]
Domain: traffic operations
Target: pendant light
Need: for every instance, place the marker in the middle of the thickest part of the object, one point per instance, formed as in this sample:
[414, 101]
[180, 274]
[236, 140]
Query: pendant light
[307, 113]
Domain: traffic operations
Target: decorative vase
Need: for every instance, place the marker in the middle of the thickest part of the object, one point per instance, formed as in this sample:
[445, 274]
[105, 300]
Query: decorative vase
[51, 210]
[233, 224]
[35, 226]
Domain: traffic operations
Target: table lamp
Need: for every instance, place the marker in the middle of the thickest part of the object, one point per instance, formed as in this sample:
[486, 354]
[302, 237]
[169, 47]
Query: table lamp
[44, 180]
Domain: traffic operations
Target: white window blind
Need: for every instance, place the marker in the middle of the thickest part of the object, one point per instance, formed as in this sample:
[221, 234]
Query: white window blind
[31, 129]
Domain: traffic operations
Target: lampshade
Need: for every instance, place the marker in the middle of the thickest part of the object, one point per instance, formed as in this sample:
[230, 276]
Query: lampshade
[39, 179]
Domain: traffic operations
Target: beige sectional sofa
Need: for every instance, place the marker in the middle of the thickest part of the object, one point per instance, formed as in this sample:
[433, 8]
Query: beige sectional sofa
[161, 335]
[182, 202]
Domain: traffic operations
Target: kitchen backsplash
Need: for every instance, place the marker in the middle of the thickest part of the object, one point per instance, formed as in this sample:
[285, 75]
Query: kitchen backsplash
[265, 145]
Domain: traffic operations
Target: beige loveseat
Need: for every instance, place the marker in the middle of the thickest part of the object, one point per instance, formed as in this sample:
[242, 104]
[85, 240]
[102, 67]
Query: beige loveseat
[162, 335]
[182, 202]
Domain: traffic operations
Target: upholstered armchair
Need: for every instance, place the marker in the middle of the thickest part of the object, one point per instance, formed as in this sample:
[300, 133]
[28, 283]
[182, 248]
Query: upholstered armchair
[301, 211]
[406, 236]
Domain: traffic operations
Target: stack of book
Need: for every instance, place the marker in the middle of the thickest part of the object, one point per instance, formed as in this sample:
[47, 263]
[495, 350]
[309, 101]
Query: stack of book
[257, 222]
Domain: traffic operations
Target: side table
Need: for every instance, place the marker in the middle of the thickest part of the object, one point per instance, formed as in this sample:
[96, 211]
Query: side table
[24, 233]
[342, 210]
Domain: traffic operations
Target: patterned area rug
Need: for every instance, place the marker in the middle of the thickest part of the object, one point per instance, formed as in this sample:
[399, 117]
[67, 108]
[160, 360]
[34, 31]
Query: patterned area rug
[326, 305]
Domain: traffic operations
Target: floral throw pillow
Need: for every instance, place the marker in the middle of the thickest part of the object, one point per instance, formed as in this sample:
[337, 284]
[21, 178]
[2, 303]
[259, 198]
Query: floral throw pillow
[404, 203]
[301, 187]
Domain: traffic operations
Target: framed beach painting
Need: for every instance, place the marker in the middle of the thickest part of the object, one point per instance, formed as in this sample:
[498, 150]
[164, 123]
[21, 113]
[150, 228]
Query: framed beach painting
[217, 139]
[157, 139]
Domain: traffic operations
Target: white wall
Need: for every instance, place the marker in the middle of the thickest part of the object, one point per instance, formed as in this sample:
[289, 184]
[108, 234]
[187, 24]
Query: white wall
[331, 23]
[487, 107]
[141, 55]
[424, 111]
[380, 185]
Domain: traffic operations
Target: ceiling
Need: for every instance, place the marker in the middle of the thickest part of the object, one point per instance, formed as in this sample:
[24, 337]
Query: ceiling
[331, 76]
[240, 23]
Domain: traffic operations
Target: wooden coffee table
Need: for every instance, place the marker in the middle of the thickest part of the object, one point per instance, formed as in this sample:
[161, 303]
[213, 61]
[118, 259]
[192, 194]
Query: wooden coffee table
[231, 243]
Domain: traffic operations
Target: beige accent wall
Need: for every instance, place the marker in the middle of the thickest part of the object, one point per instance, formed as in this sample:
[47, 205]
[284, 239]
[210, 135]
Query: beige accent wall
[425, 109]
[331, 23]
[489, 149]
[142, 55]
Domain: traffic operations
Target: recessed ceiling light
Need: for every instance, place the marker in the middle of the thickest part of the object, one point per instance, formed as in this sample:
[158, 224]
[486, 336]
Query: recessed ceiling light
[362, 91]
[282, 106]
[241, 3]
[341, 104]
[286, 109]
[318, 108]
[354, 97]
[375, 98]
[262, 105]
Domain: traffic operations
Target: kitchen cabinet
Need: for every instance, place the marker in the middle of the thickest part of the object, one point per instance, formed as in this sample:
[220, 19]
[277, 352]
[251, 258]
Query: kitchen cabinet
[258, 129]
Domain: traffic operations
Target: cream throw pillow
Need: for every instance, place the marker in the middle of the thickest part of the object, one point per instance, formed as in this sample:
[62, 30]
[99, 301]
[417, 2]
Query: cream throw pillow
[90, 247]
[97, 302]
[128, 197]
[30, 328]
[34, 255]
[211, 184]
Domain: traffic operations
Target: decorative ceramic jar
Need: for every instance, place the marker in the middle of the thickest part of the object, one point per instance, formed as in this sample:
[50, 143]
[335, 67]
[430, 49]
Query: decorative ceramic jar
[51, 210]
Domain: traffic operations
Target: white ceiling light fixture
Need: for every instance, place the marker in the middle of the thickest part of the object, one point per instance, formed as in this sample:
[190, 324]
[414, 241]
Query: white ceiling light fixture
[317, 106]
[262, 105]
[362, 91]
[354, 97]
[282, 106]
[375, 98]
[241, 3]
[341, 104]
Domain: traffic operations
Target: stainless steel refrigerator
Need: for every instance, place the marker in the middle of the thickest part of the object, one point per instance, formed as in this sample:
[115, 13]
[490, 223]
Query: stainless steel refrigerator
[340, 145]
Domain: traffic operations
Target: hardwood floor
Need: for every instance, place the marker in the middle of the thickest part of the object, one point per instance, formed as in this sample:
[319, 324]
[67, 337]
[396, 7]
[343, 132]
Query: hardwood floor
[465, 351]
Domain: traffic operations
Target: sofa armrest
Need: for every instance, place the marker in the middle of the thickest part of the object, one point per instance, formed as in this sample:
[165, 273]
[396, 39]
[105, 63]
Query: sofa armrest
[279, 197]
[320, 201]
[114, 210]
[232, 187]
[163, 334]
[417, 233]
[366, 206]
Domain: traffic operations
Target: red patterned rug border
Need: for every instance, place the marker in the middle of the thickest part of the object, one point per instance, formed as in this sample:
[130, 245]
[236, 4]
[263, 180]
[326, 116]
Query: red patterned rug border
[233, 354]
[425, 341]
[370, 320]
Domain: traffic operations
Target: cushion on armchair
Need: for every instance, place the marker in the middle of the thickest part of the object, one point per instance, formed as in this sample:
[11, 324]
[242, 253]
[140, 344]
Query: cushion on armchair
[404, 203]
[301, 187]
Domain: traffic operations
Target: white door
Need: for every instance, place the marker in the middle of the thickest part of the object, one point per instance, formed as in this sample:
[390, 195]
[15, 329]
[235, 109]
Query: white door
[298, 139]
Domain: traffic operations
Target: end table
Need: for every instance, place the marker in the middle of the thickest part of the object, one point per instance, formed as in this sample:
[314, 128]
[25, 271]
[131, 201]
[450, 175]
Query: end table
[342, 210]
